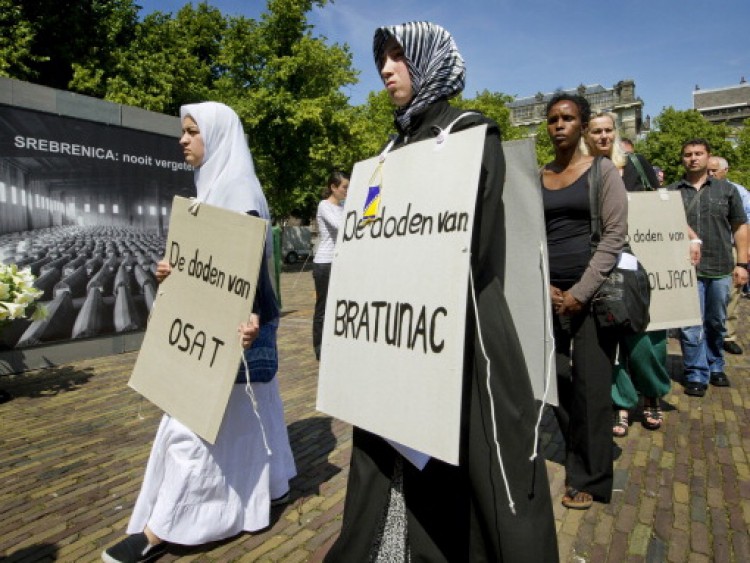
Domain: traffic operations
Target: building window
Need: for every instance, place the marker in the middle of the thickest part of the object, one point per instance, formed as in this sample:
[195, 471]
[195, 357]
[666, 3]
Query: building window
[101, 208]
[140, 210]
[115, 209]
[524, 112]
[86, 208]
[3, 195]
[152, 210]
[13, 195]
[163, 210]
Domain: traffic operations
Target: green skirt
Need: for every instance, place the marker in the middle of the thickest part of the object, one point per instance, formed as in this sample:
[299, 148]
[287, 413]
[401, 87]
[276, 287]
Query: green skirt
[641, 368]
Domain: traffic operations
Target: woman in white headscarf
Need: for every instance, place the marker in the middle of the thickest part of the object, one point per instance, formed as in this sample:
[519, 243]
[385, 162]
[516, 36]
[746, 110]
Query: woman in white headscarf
[194, 492]
[393, 510]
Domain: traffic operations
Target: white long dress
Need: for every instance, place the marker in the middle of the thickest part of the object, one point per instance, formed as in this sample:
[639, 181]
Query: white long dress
[194, 492]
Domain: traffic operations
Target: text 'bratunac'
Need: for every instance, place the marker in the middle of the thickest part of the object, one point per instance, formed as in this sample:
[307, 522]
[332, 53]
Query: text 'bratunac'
[401, 325]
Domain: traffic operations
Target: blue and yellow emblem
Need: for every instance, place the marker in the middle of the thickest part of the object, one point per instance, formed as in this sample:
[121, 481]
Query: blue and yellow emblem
[372, 201]
[372, 204]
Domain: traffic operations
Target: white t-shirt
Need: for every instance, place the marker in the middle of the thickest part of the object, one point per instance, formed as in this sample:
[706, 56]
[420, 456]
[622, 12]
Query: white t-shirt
[329, 219]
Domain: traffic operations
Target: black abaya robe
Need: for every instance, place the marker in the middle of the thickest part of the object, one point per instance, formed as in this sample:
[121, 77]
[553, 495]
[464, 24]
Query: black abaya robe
[461, 513]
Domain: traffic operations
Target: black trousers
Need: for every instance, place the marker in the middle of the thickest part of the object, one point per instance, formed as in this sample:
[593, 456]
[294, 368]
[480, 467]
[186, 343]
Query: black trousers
[584, 356]
[321, 276]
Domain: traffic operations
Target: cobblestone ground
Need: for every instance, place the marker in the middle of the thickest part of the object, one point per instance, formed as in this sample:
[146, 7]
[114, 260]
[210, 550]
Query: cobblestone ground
[75, 439]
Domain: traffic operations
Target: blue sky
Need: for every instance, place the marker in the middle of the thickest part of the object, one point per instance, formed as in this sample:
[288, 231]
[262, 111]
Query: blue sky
[520, 47]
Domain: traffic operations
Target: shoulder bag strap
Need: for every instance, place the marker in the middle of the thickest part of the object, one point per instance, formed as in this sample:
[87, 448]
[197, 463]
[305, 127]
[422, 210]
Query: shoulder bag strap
[595, 177]
[641, 173]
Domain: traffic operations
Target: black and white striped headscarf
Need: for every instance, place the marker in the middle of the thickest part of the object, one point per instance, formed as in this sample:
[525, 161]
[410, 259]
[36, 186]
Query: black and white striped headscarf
[435, 65]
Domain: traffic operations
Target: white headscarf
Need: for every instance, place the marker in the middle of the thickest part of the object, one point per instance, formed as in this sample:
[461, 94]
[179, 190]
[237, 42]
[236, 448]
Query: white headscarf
[226, 178]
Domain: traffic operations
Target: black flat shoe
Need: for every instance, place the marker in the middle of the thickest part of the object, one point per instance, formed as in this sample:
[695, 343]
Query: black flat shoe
[134, 549]
[719, 379]
[695, 389]
[732, 347]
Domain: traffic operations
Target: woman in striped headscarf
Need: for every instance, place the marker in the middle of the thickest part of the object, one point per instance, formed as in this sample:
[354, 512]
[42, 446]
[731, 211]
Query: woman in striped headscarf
[394, 511]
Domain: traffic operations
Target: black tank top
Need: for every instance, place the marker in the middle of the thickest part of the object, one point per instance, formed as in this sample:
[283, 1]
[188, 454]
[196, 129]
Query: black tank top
[567, 215]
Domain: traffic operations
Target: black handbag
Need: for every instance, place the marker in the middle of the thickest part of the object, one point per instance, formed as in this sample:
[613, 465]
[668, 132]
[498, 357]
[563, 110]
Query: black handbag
[622, 301]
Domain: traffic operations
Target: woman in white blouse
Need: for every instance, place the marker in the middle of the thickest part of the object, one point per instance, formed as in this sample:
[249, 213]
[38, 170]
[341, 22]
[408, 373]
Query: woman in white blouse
[330, 214]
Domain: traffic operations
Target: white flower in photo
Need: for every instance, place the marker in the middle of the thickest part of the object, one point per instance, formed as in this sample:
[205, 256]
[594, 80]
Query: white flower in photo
[28, 295]
[15, 310]
[4, 291]
[18, 296]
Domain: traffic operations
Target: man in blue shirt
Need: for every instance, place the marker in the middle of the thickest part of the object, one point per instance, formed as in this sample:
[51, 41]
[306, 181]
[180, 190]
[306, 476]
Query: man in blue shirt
[718, 167]
[714, 214]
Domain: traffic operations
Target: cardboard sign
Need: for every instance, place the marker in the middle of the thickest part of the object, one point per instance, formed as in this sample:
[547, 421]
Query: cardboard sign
[392, 353]
[191, 351]
[526, 266]
[658, 234]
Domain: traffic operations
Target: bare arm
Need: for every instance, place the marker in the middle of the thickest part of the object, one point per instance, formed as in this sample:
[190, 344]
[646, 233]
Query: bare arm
[614, 219]
[739, 275]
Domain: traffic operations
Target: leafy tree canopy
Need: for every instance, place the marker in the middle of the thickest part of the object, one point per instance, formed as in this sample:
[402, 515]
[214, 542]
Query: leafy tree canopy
[663, 146]
[492, 104]
[739, 169]
[168, 62]
[545, 152]
[16, 42]
[53, 36]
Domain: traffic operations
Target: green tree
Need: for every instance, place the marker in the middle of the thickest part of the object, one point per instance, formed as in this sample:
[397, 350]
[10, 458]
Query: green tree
[663, 146]
[545, 152]
[492, 104]
[739, 169]
[53, 36]
[16, 42]
[169, 62]
[286, 86]
[372, 124]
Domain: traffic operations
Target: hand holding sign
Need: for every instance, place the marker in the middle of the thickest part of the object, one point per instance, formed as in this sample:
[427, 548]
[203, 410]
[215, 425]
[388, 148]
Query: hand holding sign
[249, 331]
[163, 269]
[192, 349]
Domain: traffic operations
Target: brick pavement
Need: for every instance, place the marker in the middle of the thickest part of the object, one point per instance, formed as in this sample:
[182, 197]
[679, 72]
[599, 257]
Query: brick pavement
[75, 439]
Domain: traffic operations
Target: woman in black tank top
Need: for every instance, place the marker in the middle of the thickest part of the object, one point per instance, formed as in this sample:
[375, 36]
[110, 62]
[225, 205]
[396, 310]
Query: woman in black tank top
[584, 353]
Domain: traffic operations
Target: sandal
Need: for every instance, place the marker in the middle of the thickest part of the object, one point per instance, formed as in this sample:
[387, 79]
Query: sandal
[577, 500]
[620, 427]
[652, 416]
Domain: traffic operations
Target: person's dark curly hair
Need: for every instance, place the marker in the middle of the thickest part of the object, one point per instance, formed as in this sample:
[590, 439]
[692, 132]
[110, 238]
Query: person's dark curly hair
[584, 109]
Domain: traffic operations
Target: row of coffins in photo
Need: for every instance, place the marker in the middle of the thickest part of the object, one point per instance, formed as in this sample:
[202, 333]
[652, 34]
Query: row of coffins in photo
[96, 280]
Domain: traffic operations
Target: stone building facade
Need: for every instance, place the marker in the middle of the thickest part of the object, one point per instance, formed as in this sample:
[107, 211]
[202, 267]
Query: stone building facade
[730, 105]
[528, 112]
